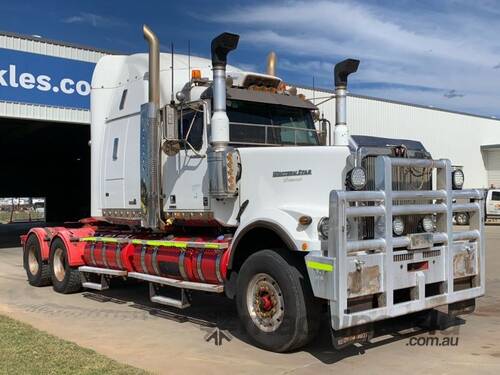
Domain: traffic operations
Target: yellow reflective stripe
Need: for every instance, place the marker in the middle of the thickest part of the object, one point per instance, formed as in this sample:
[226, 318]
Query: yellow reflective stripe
[160, 243]
[111, 240]
[320, 266]
[213, 246]
[180, 244]
[99, 239]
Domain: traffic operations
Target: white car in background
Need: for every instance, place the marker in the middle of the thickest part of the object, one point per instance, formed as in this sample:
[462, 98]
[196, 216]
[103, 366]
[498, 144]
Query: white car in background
[492, 209]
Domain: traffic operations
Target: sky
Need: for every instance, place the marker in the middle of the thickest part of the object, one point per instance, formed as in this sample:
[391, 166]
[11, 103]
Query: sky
[444, 54]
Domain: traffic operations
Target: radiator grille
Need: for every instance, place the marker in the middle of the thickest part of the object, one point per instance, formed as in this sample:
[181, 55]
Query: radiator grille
[403, 178]
[403, 257]
[431, 253]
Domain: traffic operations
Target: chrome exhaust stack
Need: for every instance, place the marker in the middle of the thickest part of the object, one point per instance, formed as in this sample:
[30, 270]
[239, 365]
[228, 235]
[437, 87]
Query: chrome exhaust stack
[150, 173]
[221, 160]
[341, 72]
[272, 61]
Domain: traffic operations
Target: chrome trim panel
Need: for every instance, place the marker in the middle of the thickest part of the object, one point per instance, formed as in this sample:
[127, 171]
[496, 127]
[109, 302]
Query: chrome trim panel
[182, 271]
[154, 260]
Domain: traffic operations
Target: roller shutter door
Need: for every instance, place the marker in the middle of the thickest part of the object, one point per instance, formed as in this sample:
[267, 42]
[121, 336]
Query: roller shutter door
[493, 167]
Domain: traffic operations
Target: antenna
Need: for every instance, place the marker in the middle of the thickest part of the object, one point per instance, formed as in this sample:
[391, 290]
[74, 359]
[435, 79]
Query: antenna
[189, 60]
[172, 101]
[314, 91]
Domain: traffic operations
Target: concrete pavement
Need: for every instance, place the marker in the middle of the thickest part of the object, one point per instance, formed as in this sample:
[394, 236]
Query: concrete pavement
[125, 330]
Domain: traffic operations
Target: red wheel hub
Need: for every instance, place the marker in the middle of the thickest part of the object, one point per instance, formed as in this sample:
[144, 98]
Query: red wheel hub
[265, 302]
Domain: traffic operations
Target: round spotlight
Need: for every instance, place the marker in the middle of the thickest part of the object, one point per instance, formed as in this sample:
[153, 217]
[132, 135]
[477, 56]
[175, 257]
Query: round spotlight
[457, 179]
[324, 227]
[398, 226]
[356, 178]
[428, 224]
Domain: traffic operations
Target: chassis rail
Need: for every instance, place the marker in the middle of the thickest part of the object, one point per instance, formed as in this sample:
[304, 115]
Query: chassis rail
[381, 266]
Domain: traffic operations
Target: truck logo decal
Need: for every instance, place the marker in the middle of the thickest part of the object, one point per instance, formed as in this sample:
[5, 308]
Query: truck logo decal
[300, 172]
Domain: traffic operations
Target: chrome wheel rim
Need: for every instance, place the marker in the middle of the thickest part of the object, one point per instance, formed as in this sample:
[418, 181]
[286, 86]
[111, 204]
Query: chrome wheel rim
[265, 302]
[33, 261]
[59, 264]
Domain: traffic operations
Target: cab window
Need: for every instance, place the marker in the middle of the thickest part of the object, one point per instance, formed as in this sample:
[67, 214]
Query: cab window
[253, 123]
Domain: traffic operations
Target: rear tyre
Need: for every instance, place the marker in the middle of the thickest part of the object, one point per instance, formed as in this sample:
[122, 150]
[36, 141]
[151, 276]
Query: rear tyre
[275, 301]
[37, 270]
[65, 279]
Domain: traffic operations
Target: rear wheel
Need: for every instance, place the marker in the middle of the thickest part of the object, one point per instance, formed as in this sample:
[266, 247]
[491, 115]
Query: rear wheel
[37, 270]
[65, 279]
[275, 301]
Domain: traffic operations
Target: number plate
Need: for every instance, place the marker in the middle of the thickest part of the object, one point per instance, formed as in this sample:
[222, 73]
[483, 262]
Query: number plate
[420, 241]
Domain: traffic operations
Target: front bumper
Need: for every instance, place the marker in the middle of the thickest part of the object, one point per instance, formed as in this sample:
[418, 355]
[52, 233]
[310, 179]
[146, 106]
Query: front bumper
[370, 280]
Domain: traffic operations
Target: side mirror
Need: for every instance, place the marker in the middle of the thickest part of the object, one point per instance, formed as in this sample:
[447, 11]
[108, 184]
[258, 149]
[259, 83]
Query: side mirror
[170, 121]
[325, 128]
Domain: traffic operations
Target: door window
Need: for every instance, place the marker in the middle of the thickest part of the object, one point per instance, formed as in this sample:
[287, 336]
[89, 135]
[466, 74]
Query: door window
[191, 128]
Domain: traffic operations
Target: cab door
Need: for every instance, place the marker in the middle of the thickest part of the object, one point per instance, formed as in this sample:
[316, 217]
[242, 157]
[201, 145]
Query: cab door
[185, 179]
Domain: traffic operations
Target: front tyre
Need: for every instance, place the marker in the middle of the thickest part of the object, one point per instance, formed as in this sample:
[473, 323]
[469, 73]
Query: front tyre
[37, 270]
[65, 279]
[275, 301]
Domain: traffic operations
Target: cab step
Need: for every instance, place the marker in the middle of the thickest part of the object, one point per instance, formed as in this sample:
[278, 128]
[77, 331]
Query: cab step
[155, 297]
[104, 273]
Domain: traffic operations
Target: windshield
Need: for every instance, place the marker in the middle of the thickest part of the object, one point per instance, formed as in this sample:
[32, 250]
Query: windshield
[259, 124]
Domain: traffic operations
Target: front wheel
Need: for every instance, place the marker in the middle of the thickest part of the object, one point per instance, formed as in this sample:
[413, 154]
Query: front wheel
[275, 301]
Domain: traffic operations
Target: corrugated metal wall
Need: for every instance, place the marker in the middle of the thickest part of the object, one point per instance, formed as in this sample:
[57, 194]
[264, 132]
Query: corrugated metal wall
[445, 134]
[44, 47]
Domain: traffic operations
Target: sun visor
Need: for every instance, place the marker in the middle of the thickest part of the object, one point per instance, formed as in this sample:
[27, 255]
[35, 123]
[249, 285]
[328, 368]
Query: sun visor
[263, 97]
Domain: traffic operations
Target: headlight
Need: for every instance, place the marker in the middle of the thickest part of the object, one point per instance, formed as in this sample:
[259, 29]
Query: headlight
[324, 227]
[356, 178]
[398, 226]
[457, 179]
[428, 224]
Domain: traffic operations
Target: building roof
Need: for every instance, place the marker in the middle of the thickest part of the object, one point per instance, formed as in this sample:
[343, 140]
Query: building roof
[58, 42]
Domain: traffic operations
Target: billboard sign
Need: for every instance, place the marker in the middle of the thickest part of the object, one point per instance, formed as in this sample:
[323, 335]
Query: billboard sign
[46, 80]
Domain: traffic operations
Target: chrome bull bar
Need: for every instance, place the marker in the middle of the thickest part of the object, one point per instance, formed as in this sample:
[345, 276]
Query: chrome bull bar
[364, 268]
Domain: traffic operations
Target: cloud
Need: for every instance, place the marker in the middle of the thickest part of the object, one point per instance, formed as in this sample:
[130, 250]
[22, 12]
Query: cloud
[94, 20]
[439, 47]
[453, 94]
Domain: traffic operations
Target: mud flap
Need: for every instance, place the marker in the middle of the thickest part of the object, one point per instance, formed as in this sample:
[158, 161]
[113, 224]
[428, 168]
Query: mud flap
[461, 308]
[348, 336]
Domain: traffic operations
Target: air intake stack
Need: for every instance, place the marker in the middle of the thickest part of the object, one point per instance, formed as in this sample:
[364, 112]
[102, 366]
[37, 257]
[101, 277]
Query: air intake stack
[221, 46]
[341, 72]
[221, 159]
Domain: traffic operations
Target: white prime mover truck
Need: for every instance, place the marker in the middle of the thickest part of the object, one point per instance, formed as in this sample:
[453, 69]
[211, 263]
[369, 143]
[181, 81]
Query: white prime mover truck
[209, 178]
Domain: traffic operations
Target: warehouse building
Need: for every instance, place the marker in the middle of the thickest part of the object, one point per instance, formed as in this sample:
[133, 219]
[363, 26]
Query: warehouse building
[44, 125]
[471, 142]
